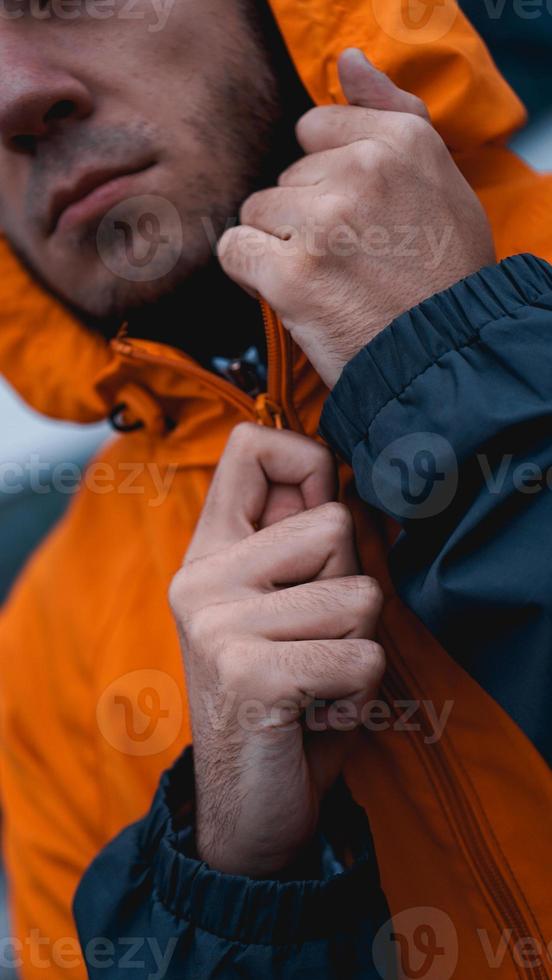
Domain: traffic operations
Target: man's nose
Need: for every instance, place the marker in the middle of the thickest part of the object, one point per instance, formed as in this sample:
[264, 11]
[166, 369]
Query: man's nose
[36, 98]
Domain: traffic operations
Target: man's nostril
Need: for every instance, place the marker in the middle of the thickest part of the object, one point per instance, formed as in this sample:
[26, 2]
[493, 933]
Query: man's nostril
[24, 144]
[61, 110]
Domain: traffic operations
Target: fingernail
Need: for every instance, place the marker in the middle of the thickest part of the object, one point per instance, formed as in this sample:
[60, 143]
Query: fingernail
[358, 55]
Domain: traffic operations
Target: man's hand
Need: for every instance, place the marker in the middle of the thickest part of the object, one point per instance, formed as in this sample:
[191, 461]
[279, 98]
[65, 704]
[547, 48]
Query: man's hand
[269, 621]
[376, 218]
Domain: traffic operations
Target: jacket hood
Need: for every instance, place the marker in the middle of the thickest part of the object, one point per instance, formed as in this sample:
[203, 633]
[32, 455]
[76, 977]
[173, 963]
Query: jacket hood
[57, 365]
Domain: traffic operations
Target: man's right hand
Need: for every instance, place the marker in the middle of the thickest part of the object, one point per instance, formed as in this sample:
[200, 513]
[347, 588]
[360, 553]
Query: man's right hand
[272, 613]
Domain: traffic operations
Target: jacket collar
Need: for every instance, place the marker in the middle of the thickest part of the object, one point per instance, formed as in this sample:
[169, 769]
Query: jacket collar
[65, 371]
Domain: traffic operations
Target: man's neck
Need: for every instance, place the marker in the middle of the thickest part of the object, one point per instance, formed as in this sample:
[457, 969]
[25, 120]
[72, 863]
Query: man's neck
[208, 315]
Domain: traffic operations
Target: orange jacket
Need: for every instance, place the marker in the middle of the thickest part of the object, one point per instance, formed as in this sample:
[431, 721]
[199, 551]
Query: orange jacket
[93, 705]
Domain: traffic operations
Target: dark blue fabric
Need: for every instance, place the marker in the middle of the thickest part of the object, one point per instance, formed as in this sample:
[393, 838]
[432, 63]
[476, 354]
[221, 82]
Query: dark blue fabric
[519, 36]
[437, 416]
[147, 893]
[446, 418]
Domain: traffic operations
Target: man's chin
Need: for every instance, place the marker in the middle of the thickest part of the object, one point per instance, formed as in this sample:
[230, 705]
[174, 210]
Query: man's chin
[119, 285]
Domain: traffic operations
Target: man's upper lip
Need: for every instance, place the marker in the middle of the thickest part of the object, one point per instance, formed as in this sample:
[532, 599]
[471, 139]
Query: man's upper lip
[83, 185]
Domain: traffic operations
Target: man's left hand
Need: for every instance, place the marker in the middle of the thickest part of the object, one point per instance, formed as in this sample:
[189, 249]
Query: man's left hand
[373, 220]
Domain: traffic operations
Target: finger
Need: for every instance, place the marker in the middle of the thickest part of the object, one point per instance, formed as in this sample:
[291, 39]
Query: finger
[309, 171]
[256, 459]
[329, 127]
[277, 211]
[242, 253]
[327, 752]
[329, 669]
[282, 502]
[317, 544]
[342, 608]
[363, 85]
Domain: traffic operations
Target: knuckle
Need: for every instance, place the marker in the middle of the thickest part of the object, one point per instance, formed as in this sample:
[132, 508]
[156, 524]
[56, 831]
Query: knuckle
[179, 593]
[303, 272]
[368, 592]
[198, 629]
[322, 456]
[415, 129]
[291, 173]
[242, 438]
[420, 108]
[337, 520]
[252, 206]
[329, 208]
[384, 156]
[314, 121]
[373, 660]
[371, 160]
[235, 666]
[363, 155]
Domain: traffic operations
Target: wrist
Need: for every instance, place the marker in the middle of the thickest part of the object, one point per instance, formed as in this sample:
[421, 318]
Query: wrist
[230, 859]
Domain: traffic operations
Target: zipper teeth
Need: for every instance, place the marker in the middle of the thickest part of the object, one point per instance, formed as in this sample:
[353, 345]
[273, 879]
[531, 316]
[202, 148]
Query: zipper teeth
[280, 367]
[467, 829]
[276, 381]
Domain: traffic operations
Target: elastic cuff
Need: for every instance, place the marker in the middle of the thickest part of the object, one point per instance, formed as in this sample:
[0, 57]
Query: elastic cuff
[260, 912]
[448, 321]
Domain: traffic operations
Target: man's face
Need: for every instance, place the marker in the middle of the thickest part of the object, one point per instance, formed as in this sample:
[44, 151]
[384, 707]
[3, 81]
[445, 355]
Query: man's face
[131, 132]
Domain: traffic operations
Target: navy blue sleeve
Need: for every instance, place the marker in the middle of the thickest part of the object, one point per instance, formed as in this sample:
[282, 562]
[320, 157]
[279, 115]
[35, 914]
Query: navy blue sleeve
[446, 418]
[147, 902]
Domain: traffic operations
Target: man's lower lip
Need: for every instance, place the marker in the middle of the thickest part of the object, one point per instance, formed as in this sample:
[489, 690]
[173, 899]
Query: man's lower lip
[98, 202]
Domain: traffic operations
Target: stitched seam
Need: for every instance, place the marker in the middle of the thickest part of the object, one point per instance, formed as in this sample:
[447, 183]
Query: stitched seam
[451, 749]
[157, 898]
[499, 847]
[477, 338]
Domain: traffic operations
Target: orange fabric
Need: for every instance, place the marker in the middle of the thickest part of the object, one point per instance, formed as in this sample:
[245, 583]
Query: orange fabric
[92, 698]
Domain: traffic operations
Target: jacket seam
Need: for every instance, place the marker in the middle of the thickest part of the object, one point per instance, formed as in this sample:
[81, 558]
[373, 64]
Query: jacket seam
[451, 749]
[189, 920]
[492, 834]
[475, 339]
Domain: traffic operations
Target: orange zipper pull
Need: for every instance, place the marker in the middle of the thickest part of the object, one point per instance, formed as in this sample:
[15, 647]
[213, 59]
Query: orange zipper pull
[268, 413]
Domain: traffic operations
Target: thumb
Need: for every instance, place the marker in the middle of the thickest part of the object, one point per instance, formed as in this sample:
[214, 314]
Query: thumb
[365, 86]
